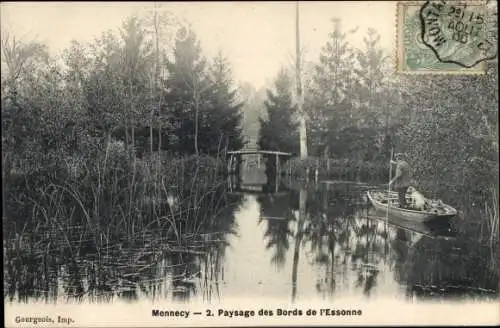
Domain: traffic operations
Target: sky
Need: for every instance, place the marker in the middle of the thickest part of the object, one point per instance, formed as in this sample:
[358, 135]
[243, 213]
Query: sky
[256, 37]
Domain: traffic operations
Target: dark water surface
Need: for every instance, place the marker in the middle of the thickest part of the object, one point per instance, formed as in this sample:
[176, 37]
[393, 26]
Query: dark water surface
[280, 241]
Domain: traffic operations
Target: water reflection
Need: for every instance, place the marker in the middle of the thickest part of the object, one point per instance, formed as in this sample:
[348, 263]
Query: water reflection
[276, 215]
[301, 219]
[278, 240]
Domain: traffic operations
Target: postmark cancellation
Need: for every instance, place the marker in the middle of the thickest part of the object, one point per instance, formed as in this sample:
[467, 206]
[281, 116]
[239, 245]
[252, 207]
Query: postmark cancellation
[446, 36]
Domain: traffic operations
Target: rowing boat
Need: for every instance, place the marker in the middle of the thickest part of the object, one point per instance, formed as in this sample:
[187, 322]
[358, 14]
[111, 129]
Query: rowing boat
[379, 201]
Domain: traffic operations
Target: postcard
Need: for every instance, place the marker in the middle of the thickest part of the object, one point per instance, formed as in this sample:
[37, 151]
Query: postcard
[198, 164]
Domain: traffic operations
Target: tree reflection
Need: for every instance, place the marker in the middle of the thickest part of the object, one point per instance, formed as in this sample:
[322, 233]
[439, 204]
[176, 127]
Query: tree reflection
[339, 240]
[275, 211]
[301, 217]
[400, 245]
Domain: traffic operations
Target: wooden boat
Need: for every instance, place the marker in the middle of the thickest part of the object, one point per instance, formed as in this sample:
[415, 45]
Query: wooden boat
[379, 201]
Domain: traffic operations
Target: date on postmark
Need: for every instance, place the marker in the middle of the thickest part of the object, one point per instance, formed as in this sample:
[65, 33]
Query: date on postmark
[446, 36]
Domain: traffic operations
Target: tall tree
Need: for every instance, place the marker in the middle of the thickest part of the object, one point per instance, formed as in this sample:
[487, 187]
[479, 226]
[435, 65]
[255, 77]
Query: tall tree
[370, 80]
[103, 88]
[78, 68]
[333, 79]
[222, 126]
[136, 59]
[279, 130]
[299, 88]
[32, 109]
[188, 85]
[161, 25]
[375, 98]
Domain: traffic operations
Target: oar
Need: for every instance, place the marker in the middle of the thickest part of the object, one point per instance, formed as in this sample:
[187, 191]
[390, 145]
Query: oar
[389, 186]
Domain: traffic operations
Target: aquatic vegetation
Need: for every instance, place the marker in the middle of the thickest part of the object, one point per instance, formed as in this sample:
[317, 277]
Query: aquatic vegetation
[111, 214]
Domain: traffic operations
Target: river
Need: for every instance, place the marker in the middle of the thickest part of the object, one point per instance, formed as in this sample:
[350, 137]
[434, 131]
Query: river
[286, 242]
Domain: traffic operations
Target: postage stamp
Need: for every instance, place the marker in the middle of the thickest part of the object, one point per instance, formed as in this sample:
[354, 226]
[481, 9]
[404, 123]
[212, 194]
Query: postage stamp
[446, 36]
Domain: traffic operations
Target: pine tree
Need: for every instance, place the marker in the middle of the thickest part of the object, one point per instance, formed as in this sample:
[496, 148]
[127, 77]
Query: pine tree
[187, 86]
[329, 105]
[222, 121]
[368, 136]
[279, 131]
[371, 81]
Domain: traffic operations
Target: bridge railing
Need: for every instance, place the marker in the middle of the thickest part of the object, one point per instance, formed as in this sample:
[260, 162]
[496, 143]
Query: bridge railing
[258, 151]
[234, 165]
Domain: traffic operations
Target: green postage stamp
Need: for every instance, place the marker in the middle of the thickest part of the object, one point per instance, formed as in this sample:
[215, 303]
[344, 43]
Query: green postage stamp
[446, 36]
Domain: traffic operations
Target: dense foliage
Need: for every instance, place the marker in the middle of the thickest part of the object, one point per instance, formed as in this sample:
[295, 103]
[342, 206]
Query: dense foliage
[121, 87]
[116, 134]
[359, 109]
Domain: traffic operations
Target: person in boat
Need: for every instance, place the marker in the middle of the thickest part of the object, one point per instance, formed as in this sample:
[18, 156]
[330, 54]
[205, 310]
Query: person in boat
[401, 180]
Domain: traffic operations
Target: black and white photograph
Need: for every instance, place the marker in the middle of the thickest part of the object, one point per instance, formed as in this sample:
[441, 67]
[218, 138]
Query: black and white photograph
[250, 163]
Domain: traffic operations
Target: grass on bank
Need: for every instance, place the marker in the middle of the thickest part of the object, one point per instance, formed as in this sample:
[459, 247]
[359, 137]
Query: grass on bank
[111, 196]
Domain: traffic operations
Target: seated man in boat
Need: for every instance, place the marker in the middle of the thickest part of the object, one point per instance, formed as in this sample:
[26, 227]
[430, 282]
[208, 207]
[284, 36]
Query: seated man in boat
[401, 180]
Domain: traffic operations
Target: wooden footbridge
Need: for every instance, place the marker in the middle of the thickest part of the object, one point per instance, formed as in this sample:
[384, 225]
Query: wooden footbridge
[235, 157]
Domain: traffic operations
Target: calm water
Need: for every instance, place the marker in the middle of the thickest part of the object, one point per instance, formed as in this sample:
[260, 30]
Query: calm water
[282, 241]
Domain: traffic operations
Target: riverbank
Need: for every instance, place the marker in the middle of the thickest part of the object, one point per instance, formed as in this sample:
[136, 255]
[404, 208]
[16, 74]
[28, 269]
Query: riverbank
[320, 168]
[113, 195]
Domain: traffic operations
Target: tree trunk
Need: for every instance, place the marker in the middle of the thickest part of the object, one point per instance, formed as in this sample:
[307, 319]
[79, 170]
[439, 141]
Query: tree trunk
[300, 100]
